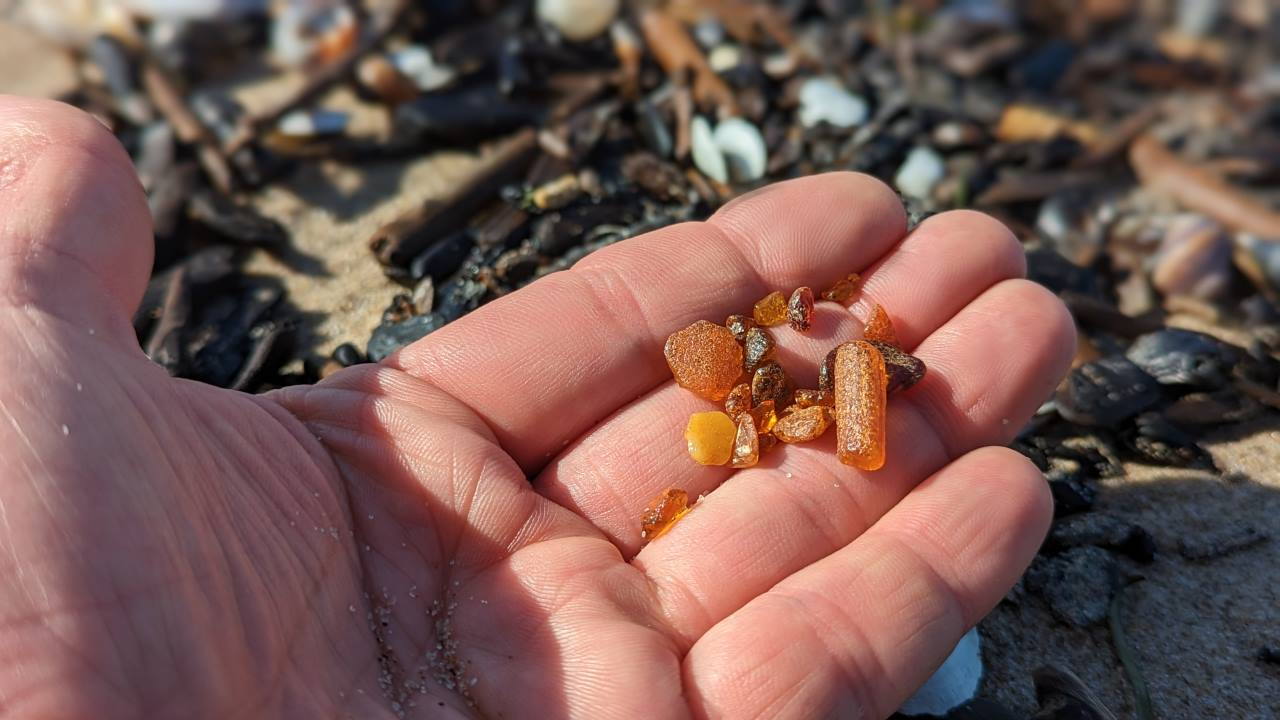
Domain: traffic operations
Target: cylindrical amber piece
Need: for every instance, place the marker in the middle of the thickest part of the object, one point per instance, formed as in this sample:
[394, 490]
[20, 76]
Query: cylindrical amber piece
[860, 381]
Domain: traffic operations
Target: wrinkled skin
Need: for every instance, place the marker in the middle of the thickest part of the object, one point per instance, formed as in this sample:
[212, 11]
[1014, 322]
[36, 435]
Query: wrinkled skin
[172, 549]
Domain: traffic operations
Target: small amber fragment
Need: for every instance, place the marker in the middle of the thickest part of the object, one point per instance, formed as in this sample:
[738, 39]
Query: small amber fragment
[746, 445]
[843, 289]
[765, 416]
[879, 327]
[705, 359]
[771, 310]
[800, 309]
[767, 442]
[739, 325]
[770, 382]
[757, 349]
[738, 401]
[860, 382]
[827, 373]
[902, 368]
[710, 437]
[805, 397]
[803, 425]
[663, 513]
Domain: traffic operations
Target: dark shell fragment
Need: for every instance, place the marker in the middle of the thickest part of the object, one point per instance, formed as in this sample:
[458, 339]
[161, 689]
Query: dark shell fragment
[1181, 357]
[1106, 392]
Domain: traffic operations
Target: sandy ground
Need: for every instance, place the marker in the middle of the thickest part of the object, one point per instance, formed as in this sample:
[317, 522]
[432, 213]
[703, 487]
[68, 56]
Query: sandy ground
[1195, 626]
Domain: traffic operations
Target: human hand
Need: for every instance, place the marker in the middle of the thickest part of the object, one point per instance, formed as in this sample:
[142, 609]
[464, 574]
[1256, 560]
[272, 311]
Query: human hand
[373, 545]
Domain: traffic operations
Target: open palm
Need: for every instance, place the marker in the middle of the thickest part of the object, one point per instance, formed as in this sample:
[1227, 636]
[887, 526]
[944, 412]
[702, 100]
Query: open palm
[455, 531]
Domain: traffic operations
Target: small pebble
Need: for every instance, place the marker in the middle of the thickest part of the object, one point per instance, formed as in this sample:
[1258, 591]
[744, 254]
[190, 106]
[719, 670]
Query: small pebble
[415, 62]
[312, 123]
[920, 172]
[578, 20]
[824, 99]
[707, 155]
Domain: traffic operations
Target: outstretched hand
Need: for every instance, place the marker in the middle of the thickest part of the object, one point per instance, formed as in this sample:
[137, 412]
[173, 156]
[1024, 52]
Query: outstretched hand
[455, 531]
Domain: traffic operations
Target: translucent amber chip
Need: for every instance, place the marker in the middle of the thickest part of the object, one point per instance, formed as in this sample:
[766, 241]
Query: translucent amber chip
[663, 513]
[843, 289]
[770, 382]
[704, 359]
[739, 325]
[746, 445]
[757, 348]
[803, 425]
[805, 397]
[767, 442]
[710, 437]
[879, 327]
[771, 310]
[860, 394]
[827, 373]
[800, 309]
[738, 401]
[902, 368]
[765, 416]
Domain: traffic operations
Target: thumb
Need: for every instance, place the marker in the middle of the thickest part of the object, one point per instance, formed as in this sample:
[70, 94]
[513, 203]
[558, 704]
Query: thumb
[75, 231]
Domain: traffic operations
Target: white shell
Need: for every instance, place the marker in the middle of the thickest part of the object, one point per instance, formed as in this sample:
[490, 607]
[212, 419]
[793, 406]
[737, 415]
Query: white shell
[824, 99]
[725, 56]
[954, 683]
[706, 155]
[578, 20]
[922, 169]
[311, 123]
[743, 148]
[415, 62]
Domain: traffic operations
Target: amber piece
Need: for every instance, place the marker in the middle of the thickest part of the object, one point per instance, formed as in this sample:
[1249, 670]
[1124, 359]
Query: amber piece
[746, 445]
[800, 308]
[827, 373]
[705, 359]
[903, 369]
[738, 401]
[771, 310]
[860, 405]
[757, 349]
[663, 513]
[843, 289]
[880, 327]
[767, 442]
[770, 382]
[805, 397]
[710, 437]
[739, 325]
[803, 425]
[765, 416]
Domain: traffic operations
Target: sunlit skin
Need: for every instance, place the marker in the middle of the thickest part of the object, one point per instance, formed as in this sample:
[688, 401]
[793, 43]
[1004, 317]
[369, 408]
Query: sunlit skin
[170, 549]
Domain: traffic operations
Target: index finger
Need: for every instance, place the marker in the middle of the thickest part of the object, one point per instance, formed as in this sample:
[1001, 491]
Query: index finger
[547, 363]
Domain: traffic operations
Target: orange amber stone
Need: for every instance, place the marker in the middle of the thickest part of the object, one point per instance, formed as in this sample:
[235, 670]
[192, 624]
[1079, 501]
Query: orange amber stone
[739, 325]
[746, 445]
[800, 309]
[757, 348]
[765, 416]
[770, 382]
[803, 425]
[663, 513]
[738, 401]
[860, 381]
[843, 289]
[705, 359]
[879, 327]
[808, 398]
[771, 310]
[710, 437]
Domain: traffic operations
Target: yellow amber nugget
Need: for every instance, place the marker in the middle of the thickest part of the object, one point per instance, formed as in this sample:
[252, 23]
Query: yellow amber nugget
[746, 445]
[860, 381]
[765, 416]
[771, 310]
[805, 397]
[800, 309]
[803, 425]
[663, 513]
[710, 437]
[879, 327]
[704, 359]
